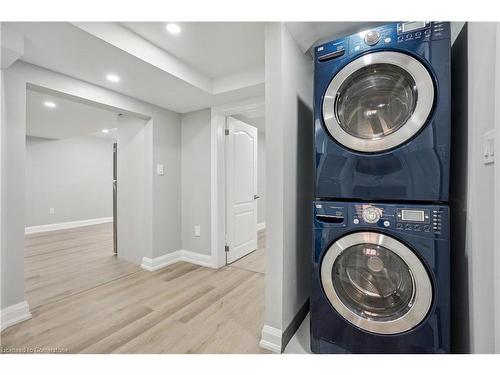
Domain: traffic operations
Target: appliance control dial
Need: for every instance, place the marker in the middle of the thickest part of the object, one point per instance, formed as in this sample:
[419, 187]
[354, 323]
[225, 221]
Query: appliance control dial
[371, 214]
[372, 37]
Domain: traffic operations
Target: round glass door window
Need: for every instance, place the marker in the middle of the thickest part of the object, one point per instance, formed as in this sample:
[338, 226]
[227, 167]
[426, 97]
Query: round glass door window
[378, 101]
[376, 283]
[373, 282]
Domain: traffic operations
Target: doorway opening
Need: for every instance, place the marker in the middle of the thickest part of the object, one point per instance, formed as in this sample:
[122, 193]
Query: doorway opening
[241, 185]
[72, 240]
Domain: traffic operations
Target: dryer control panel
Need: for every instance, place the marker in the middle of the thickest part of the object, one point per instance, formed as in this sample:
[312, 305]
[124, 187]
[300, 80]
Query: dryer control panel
[382, 37]
[407, 218]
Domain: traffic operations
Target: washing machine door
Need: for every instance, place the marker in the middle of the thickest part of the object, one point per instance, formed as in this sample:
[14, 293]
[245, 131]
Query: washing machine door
[376, 283]
[378, 101]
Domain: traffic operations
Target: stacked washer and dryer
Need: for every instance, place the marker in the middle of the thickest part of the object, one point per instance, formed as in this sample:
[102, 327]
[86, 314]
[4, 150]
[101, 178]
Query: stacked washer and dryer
[381, 254]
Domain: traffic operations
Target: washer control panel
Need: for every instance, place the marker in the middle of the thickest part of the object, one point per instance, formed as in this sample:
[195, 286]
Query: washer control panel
[411, 219]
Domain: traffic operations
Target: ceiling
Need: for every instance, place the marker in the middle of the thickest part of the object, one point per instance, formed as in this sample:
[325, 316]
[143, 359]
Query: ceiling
[147, 72]
[71, 119]
[67, 120]
[215, 48]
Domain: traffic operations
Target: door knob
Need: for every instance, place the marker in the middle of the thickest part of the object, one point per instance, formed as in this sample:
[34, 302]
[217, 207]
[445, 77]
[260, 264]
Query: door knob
[256, 196]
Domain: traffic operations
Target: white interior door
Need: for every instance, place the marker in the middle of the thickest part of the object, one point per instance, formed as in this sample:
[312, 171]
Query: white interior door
[241, 189]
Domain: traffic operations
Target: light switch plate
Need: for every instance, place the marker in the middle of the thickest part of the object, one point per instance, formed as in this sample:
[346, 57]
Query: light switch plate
[197, 231]
[489, 147]
[52, 210]
[160, 170]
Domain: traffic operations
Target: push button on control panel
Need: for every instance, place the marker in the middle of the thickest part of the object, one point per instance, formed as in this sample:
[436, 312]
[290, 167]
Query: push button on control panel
[436, 221]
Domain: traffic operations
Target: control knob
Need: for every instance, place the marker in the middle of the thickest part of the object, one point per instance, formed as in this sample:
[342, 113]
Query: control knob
[372, 37]
[371, 214]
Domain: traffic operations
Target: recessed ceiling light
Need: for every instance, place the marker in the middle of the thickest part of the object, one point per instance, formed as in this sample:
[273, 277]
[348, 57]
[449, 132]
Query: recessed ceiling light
[49, 104]
[113, 78]
[105, 130]
[173, 28]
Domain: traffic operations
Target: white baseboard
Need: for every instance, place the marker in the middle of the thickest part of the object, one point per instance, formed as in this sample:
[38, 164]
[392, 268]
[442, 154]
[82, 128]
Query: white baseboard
[153, 264]
[196, 258]
[271, 339]
[14, 314]
[67, 225]
[261, 226]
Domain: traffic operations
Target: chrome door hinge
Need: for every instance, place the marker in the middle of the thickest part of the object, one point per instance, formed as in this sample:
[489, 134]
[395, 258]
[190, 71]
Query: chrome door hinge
[226, 131]
[226, 248]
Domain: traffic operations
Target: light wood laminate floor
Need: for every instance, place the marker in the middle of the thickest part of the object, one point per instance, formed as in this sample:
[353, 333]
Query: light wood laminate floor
[85, 300]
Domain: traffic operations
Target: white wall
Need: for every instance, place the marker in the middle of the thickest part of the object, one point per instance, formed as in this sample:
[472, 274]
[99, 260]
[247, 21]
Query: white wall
[196, 185]
[12, 165]
[480, 245]
[162, 193]
[496, 281]
[261, 177]
[289, 190]
[297, 98]
[274, 188]
[133, 242]
[166, 202]
[3, 253]
[72, 175]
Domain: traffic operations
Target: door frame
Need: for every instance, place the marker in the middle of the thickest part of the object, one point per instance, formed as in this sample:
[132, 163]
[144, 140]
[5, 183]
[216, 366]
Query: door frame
[218, 172]
[115, 195]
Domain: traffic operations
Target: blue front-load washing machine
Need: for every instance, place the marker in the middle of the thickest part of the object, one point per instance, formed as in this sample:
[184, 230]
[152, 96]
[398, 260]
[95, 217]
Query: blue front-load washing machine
[382, 114]
[381, 278]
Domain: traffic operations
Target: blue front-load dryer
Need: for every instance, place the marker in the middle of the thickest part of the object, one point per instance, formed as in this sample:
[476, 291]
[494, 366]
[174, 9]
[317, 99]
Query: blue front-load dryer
[382, 114]
[381, 278]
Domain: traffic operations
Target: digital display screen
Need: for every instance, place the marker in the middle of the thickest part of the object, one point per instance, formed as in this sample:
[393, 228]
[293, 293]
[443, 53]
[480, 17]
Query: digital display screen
[410, 26]
[412, 215]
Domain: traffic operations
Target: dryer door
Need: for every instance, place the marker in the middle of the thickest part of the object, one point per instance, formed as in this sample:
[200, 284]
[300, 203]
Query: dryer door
[376, 282]
[378, 101]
